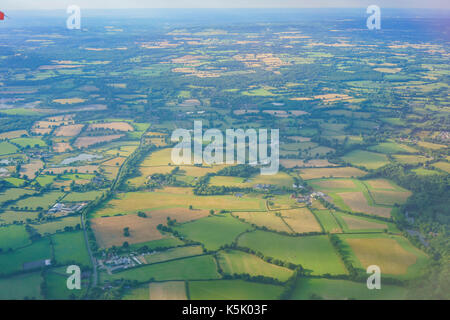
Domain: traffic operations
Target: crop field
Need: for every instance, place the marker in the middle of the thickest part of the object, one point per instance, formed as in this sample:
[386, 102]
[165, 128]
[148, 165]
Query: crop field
[238, 262]
[445, 166]
[340, 172]
[117, 126]
[293, 163]
[328, 221]
[357, 202]
[366, 159]
[411, 159]
[393, 254]
[196, 268]
[213, 232]
[174, 253]
[71, 130]
[170, 290]
[314, 253]
[84, 142]
[264, 219]
[143, 201]
[392, 147]
[233, 290]
[7, 148]
[82, 196]
[12, 216]
[308, 288]
[351, 224]
[301, 220]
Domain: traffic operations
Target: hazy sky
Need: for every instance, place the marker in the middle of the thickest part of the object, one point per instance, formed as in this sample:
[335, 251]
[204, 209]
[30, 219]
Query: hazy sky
[112, 4]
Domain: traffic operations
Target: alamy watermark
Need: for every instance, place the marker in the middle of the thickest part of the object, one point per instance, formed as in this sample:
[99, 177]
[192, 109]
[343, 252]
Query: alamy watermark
[374, 20]
[74, 280]
[374, 280]
[190, 149]
[74, 20]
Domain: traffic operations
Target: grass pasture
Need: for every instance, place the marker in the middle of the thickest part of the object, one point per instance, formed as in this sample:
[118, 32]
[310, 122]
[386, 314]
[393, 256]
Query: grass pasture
[264, 219]
[328, 221]
[175, 253]
[195, 268]
[20, 287]
[214, 231]
[233, 290]
[238, 262]
[44, 201]
[13, 237]
[70, 247]
[366, 159]
[54, 226]
[331, 289]
[314, 253]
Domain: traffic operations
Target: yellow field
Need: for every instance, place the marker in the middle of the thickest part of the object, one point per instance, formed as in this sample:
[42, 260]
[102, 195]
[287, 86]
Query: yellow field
[301, 220]
[264, 219]
[119, 126]
[114, 162]
[61, 147]
[79, 169]
[172, 290]
[390, 197]
[385, 253]
[13, 134]
[336, 184]
[429, 145]
[83, 142]
[69, 130]
[358, 203]
[30, 169]
[168, 198]
[380, 184]
[344, 172]
[443, 166]
[292, 163]
[69, 101]
[357, 224]
[109, 230]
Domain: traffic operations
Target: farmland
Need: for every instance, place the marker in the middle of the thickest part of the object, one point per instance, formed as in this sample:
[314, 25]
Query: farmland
[357, 135]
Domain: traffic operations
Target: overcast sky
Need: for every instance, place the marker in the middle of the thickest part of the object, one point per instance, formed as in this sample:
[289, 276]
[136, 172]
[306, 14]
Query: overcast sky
[117, 4]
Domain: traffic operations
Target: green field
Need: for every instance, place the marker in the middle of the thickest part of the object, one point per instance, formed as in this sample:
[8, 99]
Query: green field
[29, 142]
[196, 268]
[392, 147]
[12, 237]
[213, 232]
[233, 290]
[24, 286]
[82, 196]
[57, 225]
[70, 247]
[308, 288]
[238, 262]
[44, 201]
[328, 221]
[366, 159]
[7, 148]
[56, 280]
[13, 261]
[174, 253]
[314, 253]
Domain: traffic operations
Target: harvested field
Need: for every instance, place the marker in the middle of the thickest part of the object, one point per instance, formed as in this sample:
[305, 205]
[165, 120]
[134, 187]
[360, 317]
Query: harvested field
[84, 142]
[335, 184]
[264, 219]
[355, 223]
[292, 163]
[386, 253]
[31, 168]
[62, 147]
[380, 184]
[69, 130]
[390, 197]
[358, 203]
[171, 290]
[301, 220]
[114, 162]
[13, 134]
[341, 172]
[109, 230]
[119, 126]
